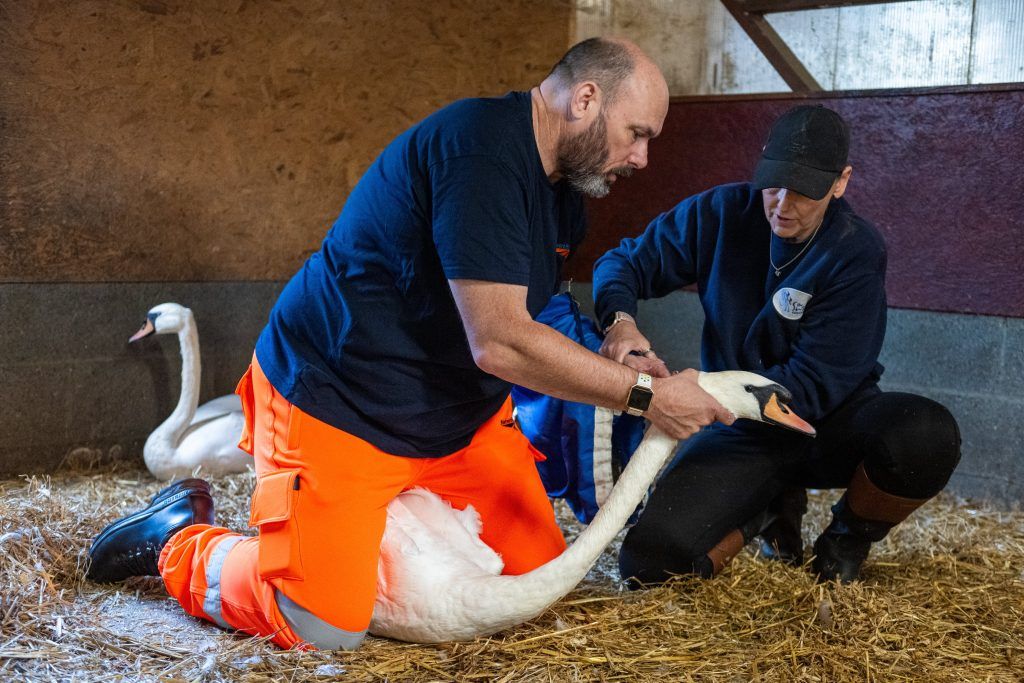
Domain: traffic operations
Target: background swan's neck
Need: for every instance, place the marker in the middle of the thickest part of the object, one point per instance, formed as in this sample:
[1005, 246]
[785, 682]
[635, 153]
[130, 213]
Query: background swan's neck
[164, 439]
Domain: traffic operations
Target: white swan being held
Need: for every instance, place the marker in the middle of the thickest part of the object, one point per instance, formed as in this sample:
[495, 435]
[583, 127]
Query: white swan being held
[437, 581]
[190, 437]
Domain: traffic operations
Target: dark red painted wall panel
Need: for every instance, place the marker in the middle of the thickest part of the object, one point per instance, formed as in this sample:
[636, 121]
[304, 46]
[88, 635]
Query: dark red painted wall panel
[940, 172]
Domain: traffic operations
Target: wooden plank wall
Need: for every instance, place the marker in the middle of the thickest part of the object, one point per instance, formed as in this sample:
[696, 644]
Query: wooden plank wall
[177, 140]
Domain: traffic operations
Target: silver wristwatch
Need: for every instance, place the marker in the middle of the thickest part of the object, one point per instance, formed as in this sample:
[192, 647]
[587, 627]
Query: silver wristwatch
[619, 317]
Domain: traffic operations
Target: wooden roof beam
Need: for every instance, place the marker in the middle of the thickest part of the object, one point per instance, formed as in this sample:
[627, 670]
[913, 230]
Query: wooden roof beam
[773, 47]
[772, 6]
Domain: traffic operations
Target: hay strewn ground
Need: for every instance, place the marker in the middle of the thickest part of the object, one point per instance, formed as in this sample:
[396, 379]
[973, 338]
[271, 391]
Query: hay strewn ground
[943, 600]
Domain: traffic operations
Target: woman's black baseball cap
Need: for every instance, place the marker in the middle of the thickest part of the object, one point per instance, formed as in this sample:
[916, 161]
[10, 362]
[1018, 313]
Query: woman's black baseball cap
[806, 151]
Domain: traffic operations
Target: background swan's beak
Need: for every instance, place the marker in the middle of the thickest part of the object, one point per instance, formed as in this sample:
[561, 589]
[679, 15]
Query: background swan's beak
[780, 414]
[147, 329]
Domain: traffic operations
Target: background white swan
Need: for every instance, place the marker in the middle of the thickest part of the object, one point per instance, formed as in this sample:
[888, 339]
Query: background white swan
[190, 437]
[437, 581]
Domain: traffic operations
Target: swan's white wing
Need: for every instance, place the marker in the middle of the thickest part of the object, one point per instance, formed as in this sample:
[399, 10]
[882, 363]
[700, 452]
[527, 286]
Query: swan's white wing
[214, 445]
[427, 551]
[213, 409]
[443, 533]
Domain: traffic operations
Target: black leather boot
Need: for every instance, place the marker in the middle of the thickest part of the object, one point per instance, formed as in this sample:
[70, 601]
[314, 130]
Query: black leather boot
[864, 515]
[781, 539]
[131, 545]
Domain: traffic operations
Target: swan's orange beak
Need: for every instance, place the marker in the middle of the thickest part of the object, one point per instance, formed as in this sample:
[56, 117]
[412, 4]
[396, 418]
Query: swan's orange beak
[147, 329]
[780, 414]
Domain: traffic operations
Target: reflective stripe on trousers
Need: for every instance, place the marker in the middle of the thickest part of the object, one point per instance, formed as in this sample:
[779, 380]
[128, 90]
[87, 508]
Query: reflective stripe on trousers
[315, 630]
[211, 602]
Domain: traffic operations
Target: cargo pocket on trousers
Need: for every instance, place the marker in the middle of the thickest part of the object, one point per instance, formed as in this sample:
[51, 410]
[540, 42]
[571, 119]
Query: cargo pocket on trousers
[273, 511]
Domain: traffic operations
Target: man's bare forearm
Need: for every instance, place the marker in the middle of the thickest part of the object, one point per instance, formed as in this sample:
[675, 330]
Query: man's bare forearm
[539, 358]
[508, 343]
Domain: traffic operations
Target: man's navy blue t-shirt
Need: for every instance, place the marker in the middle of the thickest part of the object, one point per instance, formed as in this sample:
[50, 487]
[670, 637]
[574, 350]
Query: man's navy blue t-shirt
[366, 337]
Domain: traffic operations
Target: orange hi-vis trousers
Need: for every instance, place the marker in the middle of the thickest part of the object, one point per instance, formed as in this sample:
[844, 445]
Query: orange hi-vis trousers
[309, 579]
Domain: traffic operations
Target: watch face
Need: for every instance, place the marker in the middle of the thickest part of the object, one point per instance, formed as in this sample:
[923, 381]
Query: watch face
[639, 398]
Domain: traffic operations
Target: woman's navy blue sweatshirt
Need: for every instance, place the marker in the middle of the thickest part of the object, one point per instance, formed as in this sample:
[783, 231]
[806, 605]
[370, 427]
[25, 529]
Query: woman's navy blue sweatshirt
[817, 329]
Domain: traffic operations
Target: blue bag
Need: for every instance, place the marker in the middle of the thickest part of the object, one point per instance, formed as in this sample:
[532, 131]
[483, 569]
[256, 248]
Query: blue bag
[586, 446]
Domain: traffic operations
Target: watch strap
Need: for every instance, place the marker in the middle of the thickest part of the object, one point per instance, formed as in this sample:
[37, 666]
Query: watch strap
[620, 316]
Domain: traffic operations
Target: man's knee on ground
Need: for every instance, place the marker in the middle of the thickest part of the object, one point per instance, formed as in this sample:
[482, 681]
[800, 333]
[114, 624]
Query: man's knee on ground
[918, 446]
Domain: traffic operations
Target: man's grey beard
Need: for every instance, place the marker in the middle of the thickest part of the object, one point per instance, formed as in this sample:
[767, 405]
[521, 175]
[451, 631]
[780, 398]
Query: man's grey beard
[581, 160]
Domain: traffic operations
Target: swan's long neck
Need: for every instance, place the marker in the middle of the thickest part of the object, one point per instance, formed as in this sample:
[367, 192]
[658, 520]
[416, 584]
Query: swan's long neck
[514, 599]
[165, 438]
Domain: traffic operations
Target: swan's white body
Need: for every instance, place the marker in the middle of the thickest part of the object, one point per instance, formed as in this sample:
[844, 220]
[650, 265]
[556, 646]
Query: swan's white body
[205, 437]
[438, 581]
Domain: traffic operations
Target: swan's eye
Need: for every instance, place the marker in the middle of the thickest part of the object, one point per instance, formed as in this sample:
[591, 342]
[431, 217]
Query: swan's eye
[750, 388]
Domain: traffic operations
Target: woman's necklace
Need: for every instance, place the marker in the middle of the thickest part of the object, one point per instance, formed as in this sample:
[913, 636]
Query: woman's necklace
[778, 269]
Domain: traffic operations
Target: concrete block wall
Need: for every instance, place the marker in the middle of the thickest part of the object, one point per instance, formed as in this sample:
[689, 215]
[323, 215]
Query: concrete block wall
[70, 379]
[974, 365]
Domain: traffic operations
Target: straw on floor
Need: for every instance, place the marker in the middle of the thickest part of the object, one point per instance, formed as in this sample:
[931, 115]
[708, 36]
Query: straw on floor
[942, 600]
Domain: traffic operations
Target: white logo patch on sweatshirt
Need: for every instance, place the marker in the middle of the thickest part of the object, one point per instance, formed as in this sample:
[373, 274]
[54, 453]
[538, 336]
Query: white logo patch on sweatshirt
[791, 303]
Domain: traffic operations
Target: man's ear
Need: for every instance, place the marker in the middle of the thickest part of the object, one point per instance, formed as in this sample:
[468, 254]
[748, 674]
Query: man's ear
[586, 99]
[840, 187]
